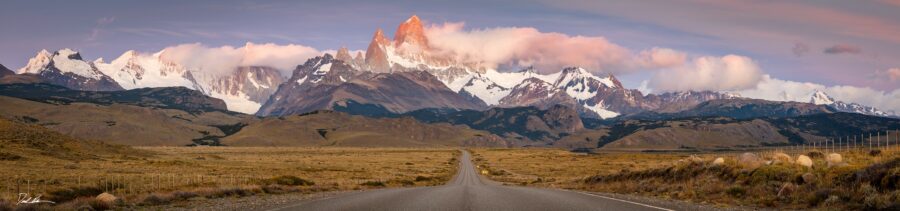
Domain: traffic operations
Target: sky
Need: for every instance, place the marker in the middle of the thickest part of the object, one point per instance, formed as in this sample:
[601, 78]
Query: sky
[849, 49]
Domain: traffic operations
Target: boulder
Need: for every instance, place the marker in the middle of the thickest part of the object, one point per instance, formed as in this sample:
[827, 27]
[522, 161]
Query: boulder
[804, 160]
[750, 161]
[834, 159]
[781, 158]
[718, 161]
[107, 198]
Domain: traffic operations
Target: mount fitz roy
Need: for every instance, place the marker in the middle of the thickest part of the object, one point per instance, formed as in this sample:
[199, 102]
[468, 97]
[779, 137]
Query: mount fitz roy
[400, 75]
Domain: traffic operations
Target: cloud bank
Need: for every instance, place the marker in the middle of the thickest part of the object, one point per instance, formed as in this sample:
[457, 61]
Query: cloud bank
[224, 59]
[892, 74]
[526, 46]
[782, 90]
[739, 74]
[727, 73]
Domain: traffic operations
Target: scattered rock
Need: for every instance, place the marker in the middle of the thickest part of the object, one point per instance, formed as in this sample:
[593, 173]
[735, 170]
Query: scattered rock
[834, 159]
[809, 178]
[750, 161]
[718, 161]
[781, 158]
[692, 159]
[107, 198]
[804, 160]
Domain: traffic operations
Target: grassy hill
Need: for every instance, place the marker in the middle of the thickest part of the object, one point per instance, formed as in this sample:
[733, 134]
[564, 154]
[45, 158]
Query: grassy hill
[328, 128]
[123, 124]
[20, 141]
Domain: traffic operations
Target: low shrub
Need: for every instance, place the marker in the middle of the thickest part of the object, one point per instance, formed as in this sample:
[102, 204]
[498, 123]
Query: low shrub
[68, 194]
[780, 173]
[404, 182]
[157, 199]
[815, 154]
[278, 189]
[875, 152]
[9, 156]
[184, 195]
[289, 180]
[374, 184]
[736, 191]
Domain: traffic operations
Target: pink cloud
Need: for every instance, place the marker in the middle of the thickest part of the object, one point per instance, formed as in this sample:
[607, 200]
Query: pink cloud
[892, 74]
[727, 73]
[547, 51]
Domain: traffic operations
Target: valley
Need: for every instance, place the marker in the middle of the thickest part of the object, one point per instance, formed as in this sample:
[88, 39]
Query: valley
[463, 105]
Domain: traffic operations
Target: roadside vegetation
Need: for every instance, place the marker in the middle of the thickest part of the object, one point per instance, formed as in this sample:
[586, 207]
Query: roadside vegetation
[166, 175]
[858, 180]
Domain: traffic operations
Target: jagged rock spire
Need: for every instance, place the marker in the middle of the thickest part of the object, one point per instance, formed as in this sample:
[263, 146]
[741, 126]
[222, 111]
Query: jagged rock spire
[411, 32]
[343, 54]
[376, 53]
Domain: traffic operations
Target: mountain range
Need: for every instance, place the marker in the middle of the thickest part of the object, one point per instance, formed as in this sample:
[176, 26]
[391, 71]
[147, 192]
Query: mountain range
[243, 89]
[399, 93]
[401, 74]
[178, 116]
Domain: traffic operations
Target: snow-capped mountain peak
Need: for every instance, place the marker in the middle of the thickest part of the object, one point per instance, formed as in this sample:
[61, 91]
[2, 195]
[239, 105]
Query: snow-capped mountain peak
[485, 89]
[36, 63]
[581, 84]
[64, 60]
[821, 98]
[65, 67]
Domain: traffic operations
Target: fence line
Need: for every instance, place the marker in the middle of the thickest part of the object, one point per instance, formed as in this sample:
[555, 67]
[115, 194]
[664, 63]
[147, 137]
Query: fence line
[119, 184]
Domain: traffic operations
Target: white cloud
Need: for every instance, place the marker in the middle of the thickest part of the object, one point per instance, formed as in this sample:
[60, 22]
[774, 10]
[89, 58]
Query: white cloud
[727, 73]
[661, 58]
[892, 74]
[781, 90]
[225, 59]
[526, 46]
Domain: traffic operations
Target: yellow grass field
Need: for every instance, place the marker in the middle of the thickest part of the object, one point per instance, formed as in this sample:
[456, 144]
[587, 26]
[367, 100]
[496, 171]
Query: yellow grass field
[561, 168]
[861, 181]
[166, 169]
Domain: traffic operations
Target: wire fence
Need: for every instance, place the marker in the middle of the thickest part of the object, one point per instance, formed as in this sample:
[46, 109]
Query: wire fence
[119, 185]
[875, 143]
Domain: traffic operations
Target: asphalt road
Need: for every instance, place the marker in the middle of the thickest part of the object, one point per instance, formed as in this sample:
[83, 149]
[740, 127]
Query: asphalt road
[469, 191]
